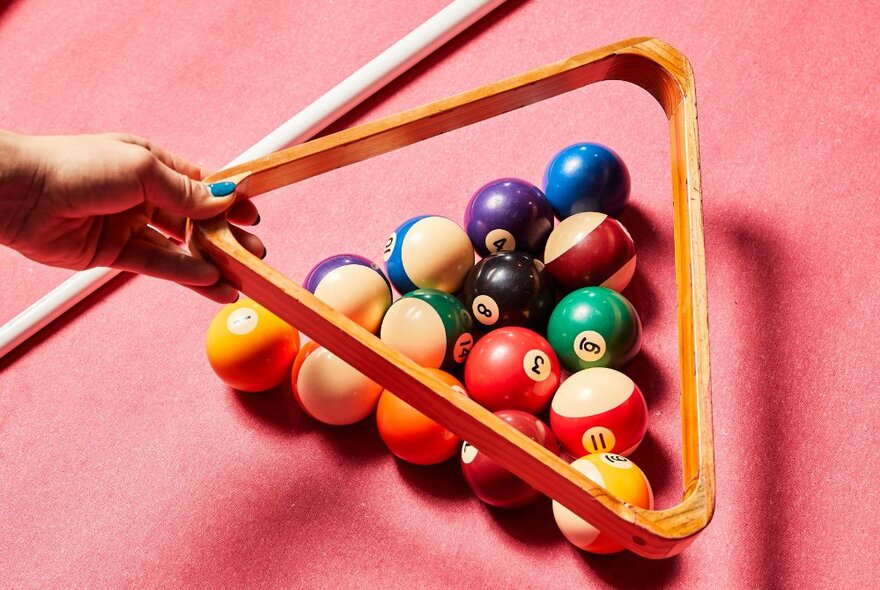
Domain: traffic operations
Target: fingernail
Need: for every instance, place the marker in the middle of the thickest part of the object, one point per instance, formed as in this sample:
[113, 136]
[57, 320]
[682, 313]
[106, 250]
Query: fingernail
[258, 220]
[221, 189]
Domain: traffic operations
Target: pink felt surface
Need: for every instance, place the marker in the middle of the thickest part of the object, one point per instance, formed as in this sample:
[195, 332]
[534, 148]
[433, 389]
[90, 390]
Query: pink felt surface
[125, 463]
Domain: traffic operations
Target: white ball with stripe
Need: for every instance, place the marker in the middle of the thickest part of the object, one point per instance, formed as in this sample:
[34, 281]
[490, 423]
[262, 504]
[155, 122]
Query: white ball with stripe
[623, 479]
[599, 410]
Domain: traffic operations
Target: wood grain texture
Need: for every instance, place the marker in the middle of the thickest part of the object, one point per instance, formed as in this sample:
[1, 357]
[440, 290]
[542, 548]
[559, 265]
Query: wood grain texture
[649, 63]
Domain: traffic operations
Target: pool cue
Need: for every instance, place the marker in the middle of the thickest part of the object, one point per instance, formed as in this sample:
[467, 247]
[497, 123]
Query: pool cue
[415, 46]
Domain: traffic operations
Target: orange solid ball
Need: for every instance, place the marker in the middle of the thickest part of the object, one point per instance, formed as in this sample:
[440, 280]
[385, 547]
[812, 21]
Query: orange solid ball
[412, 436]
[249, 347]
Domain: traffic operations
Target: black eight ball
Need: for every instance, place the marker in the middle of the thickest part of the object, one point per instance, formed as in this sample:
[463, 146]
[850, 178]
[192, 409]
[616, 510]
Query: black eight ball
[509, 289]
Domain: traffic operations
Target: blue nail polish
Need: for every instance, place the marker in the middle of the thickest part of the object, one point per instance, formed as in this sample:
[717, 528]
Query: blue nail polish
[222, 189]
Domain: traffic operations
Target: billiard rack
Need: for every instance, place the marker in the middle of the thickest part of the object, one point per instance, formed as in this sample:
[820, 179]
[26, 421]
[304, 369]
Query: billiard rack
[649, 63]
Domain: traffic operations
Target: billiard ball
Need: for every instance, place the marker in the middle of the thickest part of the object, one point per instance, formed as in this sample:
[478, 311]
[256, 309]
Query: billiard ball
[512, 368]
[508, 214]
[509, 289]
[353, 286]
[412, 436]
[590, 249]
[599, 410]
[587, 177]
[249, 347]
[430, 327]
[428, 252]
[623, 479]
[493, 484]
[594, 327]
[330, 390]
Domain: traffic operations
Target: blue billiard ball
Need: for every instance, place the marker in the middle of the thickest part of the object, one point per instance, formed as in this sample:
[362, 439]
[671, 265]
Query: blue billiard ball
[587, 177]
[428, 252]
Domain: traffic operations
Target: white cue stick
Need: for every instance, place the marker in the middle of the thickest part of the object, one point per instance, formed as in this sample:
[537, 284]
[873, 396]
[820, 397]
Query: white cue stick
[440, 28]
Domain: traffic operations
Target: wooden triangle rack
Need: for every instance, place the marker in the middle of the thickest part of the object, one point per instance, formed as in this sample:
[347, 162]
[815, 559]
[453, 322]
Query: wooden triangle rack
[664, 73]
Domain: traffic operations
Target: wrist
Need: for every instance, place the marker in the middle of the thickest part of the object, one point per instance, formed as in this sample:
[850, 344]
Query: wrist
[19, 180]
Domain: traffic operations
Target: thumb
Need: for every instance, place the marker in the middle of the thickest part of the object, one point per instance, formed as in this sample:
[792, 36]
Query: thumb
[177, 193]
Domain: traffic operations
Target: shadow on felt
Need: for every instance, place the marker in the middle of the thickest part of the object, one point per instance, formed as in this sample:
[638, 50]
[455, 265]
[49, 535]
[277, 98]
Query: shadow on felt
[277, 412]
[442, 482]
[6, 5]
[654, 245]
[58, 325]
[628, 570]
[759, 295]
[533, 524]
[275, 409]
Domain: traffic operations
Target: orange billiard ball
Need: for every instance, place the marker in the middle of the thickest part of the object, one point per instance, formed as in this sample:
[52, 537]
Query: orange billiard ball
[249, 347]
[618, 475]
[412, 436]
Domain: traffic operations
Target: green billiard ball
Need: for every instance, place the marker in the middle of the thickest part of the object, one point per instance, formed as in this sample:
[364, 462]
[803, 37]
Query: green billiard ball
[430, 327]
[594, 327]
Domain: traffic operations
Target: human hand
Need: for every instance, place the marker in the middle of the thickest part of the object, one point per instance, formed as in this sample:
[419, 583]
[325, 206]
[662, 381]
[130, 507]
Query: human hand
[98, 200]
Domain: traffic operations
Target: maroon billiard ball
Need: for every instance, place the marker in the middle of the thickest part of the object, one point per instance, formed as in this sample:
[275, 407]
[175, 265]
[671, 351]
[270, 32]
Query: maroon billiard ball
[493, 484]
[590, 250]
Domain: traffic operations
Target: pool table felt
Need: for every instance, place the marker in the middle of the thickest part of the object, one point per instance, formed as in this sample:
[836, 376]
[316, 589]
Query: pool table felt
[124, 461]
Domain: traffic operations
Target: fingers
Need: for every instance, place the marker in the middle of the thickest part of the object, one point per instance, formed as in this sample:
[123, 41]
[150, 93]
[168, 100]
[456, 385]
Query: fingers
[249, 241]
[153, 254]
[170, 184]
[222, 292]
[170, 224]
[173, 161]
[178, 194]
[243, 213]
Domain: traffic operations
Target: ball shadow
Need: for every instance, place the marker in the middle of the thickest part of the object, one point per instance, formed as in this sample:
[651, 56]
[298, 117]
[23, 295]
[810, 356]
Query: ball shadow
[642, 295]
[278, 411]
[356, 443]
[628, 570]
[533, 524]
[5, 5]
[442, 482]
[654, 245]
[274, 409]
[645, 371]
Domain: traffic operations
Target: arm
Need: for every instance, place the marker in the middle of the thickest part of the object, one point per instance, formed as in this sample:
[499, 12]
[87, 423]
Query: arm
[109, 200]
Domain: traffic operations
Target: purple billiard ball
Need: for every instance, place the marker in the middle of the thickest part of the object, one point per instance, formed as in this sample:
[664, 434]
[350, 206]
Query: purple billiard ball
[508, 214]
[354, 286]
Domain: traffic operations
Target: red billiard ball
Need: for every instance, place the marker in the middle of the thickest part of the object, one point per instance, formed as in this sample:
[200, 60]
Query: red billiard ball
[493, 484]
[512, 369]
[590, 249]
[599, 410]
